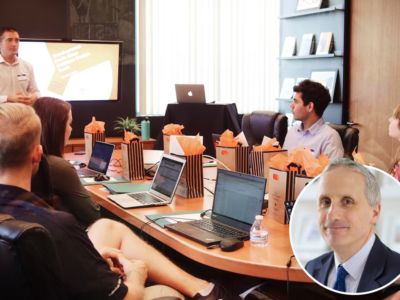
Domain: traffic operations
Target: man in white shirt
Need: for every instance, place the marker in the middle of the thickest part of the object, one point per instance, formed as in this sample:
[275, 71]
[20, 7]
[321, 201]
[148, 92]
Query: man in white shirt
[349, 205]
[309, 103]
[17, 80]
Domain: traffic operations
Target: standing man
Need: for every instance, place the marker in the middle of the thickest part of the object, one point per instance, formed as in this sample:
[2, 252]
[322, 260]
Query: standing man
[309, 103]
[17, 80]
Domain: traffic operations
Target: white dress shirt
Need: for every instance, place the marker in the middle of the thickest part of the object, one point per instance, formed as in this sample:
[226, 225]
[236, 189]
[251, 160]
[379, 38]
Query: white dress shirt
[354, 266]
[320, 138]
[9, 82]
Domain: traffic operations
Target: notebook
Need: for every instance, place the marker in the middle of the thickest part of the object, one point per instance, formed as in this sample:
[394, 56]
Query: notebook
[162, 189]
[238, 199]
[190, 93]
[99, 161]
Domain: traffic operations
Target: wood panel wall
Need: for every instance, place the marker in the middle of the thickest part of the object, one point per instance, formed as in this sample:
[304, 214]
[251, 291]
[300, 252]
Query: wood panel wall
[375, 76]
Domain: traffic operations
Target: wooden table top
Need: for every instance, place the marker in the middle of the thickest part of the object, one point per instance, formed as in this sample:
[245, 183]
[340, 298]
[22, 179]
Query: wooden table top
[268, 262]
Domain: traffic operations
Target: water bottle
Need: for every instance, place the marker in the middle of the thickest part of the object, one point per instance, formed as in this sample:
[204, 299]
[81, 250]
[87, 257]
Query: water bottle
[145, 129]
[259, 233]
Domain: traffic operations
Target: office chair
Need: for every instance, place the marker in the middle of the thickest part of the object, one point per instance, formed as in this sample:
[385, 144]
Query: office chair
[349, 137]
[41, 184]
[29, 266]
[258, 124]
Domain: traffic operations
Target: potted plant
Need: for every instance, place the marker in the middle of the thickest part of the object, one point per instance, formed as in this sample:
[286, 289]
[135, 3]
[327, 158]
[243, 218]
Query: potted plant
[129, 124]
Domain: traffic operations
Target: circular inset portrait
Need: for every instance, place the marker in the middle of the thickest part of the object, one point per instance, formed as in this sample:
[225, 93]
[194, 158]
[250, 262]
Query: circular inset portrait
[345, 228]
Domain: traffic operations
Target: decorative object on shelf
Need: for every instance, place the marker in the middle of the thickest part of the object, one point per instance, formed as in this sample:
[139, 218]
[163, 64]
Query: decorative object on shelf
[129, 124]
[145, 129]
[327, 78]
[287, 88]
[325, 44]
[289, 47]
[307, 45]
[304, 5]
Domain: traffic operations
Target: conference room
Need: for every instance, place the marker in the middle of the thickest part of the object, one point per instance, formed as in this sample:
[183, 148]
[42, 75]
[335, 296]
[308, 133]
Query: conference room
[232, 72]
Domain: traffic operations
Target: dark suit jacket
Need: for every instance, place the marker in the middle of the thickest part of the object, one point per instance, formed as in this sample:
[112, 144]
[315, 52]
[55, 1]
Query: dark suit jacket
[383, 265]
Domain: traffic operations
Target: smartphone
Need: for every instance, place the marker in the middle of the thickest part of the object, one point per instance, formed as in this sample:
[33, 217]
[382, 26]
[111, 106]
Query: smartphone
[80, 153]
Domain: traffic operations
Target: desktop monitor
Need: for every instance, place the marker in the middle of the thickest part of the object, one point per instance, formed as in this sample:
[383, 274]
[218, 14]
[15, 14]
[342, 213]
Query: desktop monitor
[75, 70]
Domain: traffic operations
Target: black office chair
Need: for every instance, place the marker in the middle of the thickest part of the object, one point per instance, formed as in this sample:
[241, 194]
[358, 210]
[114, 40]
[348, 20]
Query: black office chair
[349, 137]
[258, 124]
[41, 184]
[29, 265]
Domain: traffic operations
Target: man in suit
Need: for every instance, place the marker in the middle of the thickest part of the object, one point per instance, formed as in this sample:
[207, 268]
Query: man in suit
[349, 205]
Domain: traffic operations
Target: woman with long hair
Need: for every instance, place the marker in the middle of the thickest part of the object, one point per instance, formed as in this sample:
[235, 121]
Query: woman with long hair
[394, 132]
[71, 196]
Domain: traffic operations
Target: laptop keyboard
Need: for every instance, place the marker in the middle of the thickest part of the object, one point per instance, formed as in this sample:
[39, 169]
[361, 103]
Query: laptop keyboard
[219, 229]
[145, 198]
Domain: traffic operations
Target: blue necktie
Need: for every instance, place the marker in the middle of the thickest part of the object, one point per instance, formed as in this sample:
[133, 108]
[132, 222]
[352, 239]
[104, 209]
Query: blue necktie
[341, 275]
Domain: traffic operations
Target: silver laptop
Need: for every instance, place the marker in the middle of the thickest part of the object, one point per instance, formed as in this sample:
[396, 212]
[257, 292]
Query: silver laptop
[162, 189]
[190, 93]
[99, 161]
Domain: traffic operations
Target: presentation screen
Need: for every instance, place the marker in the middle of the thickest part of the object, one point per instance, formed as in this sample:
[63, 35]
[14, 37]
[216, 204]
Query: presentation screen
[75, 71]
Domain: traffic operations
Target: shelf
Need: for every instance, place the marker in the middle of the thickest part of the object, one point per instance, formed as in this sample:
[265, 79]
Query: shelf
[313, 12]
[311, 56]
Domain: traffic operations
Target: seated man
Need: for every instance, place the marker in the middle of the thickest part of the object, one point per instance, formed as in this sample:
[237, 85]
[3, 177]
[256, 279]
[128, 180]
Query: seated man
[84, 257]
[309, 103]
[349, 205]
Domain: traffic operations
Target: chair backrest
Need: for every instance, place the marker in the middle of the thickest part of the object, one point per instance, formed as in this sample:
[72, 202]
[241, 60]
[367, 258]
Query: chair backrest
[42, 185]
[349, 137]
[29, 266]
[258, 124]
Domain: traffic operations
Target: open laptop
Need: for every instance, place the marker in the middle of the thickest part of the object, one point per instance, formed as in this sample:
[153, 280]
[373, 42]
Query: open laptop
[238, 199]
[162, 189]
[190, 93]
[99, 161]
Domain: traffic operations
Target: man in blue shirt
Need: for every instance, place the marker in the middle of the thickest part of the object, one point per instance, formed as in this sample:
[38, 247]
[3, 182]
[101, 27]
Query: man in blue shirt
[309, 103]
[349, 205]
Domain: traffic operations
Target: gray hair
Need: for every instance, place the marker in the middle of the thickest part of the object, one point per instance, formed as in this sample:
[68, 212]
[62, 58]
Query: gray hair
[19, 133]
[372, 190]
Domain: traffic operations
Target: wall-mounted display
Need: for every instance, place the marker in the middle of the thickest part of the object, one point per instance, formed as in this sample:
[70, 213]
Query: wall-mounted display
[327, 78]
[304, 5]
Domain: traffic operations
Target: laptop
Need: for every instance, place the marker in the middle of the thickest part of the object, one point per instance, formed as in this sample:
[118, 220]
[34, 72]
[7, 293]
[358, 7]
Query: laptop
[99, 161]
[162, 189]
[190, 93]
[238, 199]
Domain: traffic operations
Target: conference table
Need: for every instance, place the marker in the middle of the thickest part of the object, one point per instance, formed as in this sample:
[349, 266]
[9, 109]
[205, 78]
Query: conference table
[268, 262]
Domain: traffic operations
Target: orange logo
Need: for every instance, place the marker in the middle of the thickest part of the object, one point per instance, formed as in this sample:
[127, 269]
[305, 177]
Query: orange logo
[275, 176]
[167, 139]
[124, 148]
[87, 137]
[224, 152]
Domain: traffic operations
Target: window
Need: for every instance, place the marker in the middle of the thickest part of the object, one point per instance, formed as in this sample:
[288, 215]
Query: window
[230, 46]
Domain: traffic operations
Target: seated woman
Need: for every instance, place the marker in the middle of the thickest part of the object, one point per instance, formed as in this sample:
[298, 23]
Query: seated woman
[394, 131]
[72, 197]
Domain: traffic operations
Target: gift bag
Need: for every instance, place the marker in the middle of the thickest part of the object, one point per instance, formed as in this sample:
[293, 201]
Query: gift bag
[235, 158]
[90, 140]
[166, 141]
[259, 163]
[132, 161]
[281, 189]
[300, 183]
[191, 183]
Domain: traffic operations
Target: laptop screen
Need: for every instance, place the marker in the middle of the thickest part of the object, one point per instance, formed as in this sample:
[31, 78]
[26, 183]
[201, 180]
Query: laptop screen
[238, 196]
[101, 156]
[167, 176]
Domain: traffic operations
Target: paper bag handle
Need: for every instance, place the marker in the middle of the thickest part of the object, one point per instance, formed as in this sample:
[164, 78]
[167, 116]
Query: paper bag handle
[296, 165]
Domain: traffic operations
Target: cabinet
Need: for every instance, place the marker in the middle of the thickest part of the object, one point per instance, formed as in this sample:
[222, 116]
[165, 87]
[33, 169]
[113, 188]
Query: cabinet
[333, 18]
